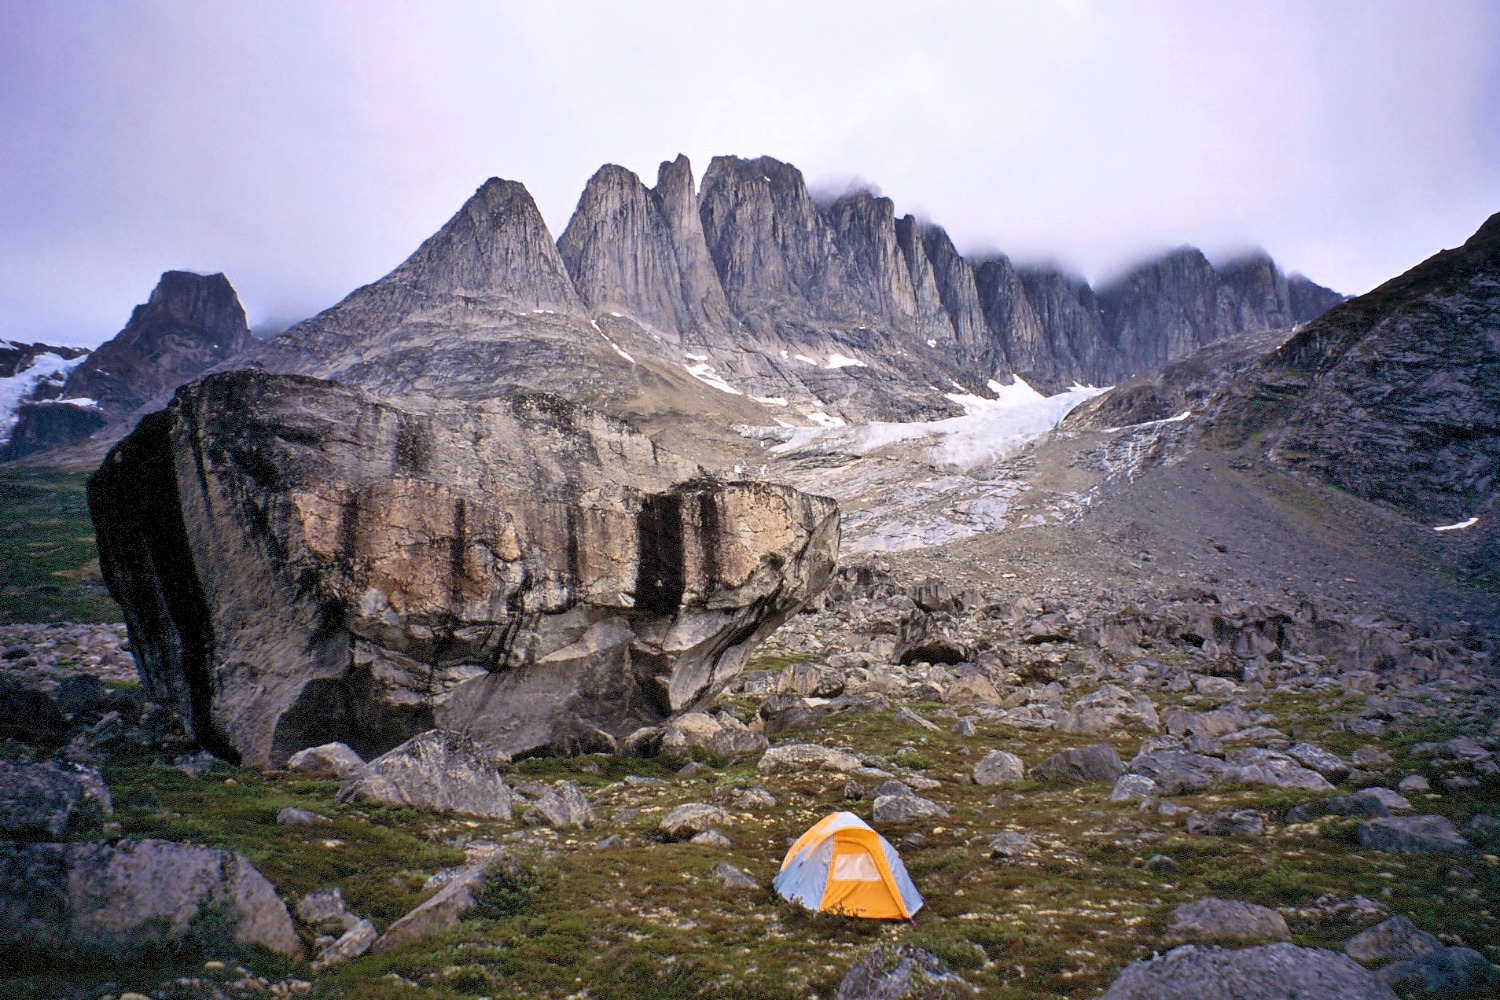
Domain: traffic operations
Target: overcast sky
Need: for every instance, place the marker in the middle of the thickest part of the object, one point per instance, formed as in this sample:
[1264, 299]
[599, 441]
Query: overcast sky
[306, 148]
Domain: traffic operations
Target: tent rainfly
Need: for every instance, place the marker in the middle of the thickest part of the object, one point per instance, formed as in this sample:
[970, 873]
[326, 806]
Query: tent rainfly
[841, 865]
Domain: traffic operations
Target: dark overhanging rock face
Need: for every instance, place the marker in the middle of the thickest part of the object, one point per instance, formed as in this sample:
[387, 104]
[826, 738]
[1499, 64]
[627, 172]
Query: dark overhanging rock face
[301, 563]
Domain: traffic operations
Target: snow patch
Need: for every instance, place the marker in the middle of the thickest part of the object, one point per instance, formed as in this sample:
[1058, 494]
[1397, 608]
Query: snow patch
[821, 419]
[621, 352]
[771, 400]
[15, 390]
[844, 361]
[931, 342]
[990, 430]
[806, 359]
[1460, 526]
[695, 357]
[704, 373]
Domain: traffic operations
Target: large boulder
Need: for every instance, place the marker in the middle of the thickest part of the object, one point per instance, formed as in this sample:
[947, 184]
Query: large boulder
[1210, 919]
[300, 563]
[1269, 972]
[901, 972]
[1411, 835]
[119, 899]
[1078, 765]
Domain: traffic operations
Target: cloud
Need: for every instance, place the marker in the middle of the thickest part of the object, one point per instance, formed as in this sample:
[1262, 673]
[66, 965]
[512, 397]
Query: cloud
[306, 149]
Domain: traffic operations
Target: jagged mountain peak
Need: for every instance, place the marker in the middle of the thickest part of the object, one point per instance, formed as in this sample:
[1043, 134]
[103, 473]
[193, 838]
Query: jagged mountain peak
[496, 247]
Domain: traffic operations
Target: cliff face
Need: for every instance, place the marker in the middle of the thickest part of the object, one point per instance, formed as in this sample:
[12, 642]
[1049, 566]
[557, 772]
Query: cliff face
[1393, 395]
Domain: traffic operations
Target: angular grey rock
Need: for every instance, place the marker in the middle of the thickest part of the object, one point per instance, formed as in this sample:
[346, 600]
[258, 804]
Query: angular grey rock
[711, 838]
[1413, 784]
[439, 912]
[336, 759]
[907, 808]
[1320, 760]
[806, 757]
[733, 878]
[1011, 844]
[1219, 722]
[1133, 786]
[1211, 919]
[87, 899]
[1396, 937]
[1484, 828]
[349, 945]
[1443, 971]
[325, 911]
[1266, 972]
[692, 817]
[998, 767]
[901, 972]
[1393, 801]
[561, 806]
[738, 742]
[907, 717]
[433, 771]
[521, 570]
[1178, 772]
[810, 680]
[1357, 804]
[1078, 765]
[296, 816]
[48, 799]
[1412, 835]
[1255, 766]
[1227, 823]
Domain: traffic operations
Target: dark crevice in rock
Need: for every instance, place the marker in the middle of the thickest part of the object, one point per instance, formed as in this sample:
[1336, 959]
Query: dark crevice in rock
[659, 578]
[148, 565]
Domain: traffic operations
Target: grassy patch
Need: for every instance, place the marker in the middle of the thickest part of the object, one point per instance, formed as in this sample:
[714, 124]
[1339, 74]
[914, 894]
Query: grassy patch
[49, 567]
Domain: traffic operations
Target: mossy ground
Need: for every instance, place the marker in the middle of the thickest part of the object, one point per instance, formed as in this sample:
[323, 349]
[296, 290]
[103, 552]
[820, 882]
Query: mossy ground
[650, 920]
[49, 566]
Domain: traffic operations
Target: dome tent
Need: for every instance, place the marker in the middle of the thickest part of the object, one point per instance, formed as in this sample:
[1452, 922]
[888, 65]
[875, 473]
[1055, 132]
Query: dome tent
[842, 865]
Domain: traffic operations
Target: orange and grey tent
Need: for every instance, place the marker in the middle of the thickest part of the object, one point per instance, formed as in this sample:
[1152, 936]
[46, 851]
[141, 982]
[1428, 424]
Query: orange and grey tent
[842, 865]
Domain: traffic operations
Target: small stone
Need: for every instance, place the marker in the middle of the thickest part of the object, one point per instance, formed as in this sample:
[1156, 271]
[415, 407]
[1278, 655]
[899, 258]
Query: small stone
[906, 808]
[806, 757]
[964, 727]
[1411, 835]
[901, 972]
[351, 944]
[1367, 754]
[710, 838]
[692, 817]
[336, 759]
[1080, 765]
[1444, 971]
[1397, 937]
[1227, 823]
[1277, 971]
[1413, 783]
[297, 816]
[1211, 919]
[998, 767]
[1011, 844]
[609, 843]
[560, 807]
[1320, 760]
[733, 878]
[1392, 801]
[1133, 786]
[1162, 864]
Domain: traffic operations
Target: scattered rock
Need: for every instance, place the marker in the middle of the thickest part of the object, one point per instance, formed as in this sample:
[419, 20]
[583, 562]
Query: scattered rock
[297, 816]
[48, 799]
[1079, 765]
[901, 972]
[559, 807]
[1178, 772]
[1211, 919]
[1443, 971]
[692, 817]
[998, 767]
[117, 899]
[1392, 801]
[1484, 828]
[434, 771]
[1411, 835]
[351, 944]
[1413, 784]
[1267, 767]
[1133, 786]
[806, 757]
[1227, 823]
[1010, 844]
[1359, 804]
[1396, 937]
[710, 838]
[29, 715]
[442, 910]
[907, 717]
[906, 808]
[1161, 863]
[336, 759]
[1266, 972]
[734, 878]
